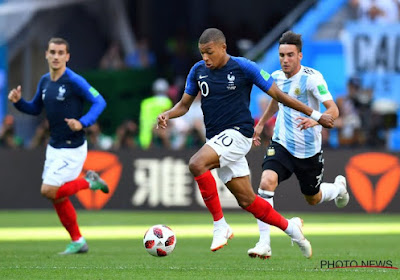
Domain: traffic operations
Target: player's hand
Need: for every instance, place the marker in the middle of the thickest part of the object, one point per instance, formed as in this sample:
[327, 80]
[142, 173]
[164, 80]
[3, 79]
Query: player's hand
[74, 124]
[15, 94]
[162, 120]
[305, 123]
[327, 121]
[256, 136]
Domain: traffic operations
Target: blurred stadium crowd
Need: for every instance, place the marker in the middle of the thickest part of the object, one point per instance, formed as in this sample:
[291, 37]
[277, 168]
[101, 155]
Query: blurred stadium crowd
[359, 124]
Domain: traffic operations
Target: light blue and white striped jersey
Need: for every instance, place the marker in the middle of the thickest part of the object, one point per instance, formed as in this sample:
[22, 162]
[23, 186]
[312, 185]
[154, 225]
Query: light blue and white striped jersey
[309, 87]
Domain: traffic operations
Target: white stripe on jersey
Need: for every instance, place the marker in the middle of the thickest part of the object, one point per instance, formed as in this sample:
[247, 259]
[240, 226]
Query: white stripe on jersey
[309, 87]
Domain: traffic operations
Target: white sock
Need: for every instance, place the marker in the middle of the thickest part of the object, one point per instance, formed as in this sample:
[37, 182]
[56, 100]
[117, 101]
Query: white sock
[329, 191]
[294, 231]
[220, 222]
[289, 229]
[80, 239]
[264, 228]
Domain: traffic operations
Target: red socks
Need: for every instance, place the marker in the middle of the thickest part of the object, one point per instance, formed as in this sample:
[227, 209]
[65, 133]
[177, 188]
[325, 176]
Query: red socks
[208, 190]
[263, 211]
[66, 212]
[71, 188]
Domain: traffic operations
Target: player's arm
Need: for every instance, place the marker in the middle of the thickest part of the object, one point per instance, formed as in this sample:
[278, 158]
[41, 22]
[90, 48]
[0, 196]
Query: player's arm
[272, 108]
[325, 119]
[34, 107]
[331, 109]
[180, 108]
[318, 87]
[265, 82]
[90, 94]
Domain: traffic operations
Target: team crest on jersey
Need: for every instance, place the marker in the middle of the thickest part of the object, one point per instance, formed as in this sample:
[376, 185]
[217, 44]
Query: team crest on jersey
[297, 91]
[231, 81]
[61, 92]
[271, 151]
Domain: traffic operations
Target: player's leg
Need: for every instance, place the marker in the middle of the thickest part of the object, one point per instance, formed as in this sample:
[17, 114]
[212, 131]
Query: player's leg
[310, 172]
[262, 210]
[224, 149]
[63, 165]
[277, 167]
[266, 190]
[200, 165]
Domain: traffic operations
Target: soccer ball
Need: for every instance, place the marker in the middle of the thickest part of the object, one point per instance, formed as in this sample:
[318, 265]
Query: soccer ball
[159, 241]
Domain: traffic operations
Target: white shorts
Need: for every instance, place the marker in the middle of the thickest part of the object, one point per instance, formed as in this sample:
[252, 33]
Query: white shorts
[63, 165]
[231, 147]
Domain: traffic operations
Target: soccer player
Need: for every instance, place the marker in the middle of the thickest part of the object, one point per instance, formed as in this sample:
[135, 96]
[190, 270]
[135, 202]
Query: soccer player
[296, 142]
[62, 93]
[225, 84]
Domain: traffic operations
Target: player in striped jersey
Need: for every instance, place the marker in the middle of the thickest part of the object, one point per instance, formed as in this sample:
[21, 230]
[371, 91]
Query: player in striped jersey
[62, 94]
[296, 142]
[225, 84]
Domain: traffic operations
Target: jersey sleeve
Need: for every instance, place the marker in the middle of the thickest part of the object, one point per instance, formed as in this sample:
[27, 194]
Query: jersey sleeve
[319, 88]
[35, 106]
[191, 86]
[258, 76]
[90, 94]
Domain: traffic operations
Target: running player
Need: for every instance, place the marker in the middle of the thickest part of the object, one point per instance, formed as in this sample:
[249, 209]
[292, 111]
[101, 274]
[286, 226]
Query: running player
[296, 143]
[62, 93]
[225, 84]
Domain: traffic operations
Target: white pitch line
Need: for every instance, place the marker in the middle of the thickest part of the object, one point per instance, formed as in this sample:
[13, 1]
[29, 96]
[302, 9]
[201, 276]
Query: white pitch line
[190, 231]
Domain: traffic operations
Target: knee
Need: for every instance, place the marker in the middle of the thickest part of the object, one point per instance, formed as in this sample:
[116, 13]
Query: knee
[48, 193]
[196, 167]
[268, 184]
[312, 200]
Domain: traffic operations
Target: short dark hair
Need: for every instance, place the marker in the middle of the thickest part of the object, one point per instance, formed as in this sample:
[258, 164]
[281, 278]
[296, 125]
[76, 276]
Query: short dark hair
[291, 38]
[212, 35]
[58, 41]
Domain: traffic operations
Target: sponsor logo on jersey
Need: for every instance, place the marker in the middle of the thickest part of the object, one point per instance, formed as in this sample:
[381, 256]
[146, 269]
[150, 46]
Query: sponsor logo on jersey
[202, 77]
[322, 89]
[231, 81]
[61, 93]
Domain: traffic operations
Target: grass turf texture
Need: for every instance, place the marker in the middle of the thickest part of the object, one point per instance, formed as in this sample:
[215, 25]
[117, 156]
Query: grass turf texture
[29, 242]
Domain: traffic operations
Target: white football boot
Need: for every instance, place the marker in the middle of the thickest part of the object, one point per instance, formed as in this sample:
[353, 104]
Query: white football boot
[343, 198]
[261, 250]
[299, 239]
[221, 235]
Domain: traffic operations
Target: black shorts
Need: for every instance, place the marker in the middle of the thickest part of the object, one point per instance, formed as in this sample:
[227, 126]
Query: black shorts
[309, 171]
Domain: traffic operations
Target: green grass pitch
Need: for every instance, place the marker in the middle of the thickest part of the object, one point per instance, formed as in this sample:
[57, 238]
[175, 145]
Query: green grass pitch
[30, 240]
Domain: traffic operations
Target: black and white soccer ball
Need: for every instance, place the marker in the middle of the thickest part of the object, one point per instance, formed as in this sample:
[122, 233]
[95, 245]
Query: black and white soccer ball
[159, 240]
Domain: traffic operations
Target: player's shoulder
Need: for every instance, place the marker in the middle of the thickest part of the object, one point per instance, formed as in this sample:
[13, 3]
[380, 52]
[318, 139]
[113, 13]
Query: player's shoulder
[45, 77]
[313, 74]
[199, 64]
[242, 61]
[277, 73]
[71, 74]
[74, 77]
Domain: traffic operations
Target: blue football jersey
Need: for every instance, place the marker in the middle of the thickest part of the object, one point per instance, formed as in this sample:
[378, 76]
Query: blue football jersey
[226, 92]
[62, 99]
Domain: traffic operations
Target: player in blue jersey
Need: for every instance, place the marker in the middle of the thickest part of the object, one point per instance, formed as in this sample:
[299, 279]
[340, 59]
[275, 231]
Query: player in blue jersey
[62, 93]
[296, 142]
[225, 83]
